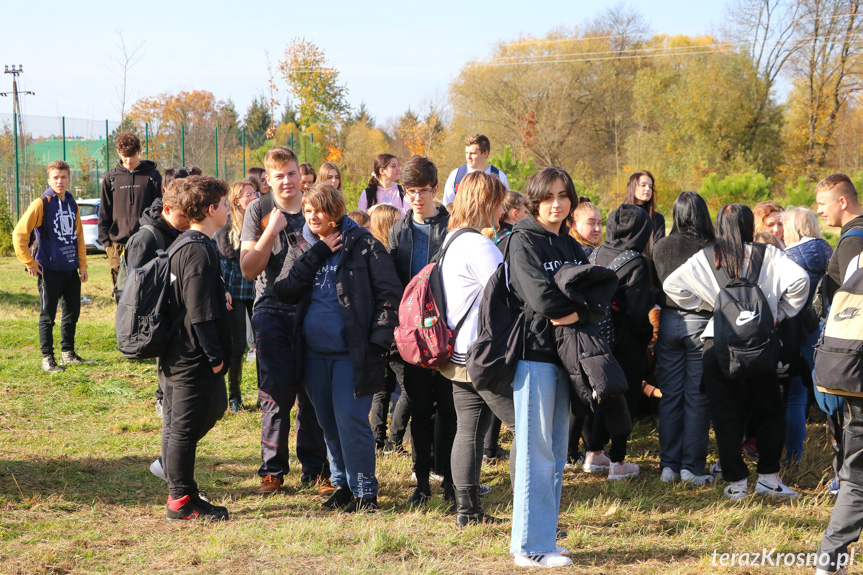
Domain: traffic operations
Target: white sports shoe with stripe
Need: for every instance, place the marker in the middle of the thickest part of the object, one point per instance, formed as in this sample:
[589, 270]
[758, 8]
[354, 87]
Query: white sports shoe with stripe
[547, 560]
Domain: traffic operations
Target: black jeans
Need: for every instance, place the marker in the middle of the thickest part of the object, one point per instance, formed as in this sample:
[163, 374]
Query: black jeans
[430, 396]
[847, 517]
[468, 445]
[381, 402]
[190, 410]
[491, 436]
[53, 287]
[733, 403]
[280, 388]
[630, 355]
[241, 310]
[401, 417]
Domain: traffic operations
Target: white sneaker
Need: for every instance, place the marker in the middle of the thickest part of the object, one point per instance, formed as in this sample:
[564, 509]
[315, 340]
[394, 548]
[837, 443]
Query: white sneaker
[669, 475]
[595, 462]
[157, 470]
[716, 471]
[252, 355]
[688, 477]
[562, 551]
[484, 490]
[622, 470]
[548, 560]
[736, 490]
[770, 484]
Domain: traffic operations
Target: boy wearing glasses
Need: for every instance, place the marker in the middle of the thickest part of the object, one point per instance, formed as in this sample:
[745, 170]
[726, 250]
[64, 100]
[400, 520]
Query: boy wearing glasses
[193, 365]
[414, 241]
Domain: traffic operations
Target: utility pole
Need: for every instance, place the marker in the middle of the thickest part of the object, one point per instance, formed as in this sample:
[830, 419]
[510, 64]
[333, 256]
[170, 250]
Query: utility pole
[16, 114]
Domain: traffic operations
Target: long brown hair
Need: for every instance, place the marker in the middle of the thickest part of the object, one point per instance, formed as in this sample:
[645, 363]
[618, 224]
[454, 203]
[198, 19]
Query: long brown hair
[479, 195]
[237, 212]
[383, 218]
[630, 191]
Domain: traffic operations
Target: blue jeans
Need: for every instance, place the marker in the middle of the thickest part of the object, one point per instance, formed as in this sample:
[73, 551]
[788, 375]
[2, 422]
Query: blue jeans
[344, 418]
[541, 398]
[795, 418]
[684, 412]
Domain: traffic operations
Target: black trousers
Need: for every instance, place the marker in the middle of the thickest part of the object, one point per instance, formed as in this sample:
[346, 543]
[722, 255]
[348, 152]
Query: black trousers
[733, 404]
[190, 409]
[381, 402]
[846, 520]
[630, 354]
[429, 395]
[242, 309]
[279, 389]
[56, 287]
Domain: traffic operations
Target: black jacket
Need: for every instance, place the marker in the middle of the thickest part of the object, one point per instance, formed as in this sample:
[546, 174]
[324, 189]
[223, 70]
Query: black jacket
[142, 247]
[845, 252]
[629, 228]
[534, 256]
[125, 195]
[369, 293]
[401, 240]
[669, 253]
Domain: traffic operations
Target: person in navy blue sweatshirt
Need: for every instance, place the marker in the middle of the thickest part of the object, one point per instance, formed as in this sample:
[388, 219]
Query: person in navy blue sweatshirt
[348, 294]
[60, 262]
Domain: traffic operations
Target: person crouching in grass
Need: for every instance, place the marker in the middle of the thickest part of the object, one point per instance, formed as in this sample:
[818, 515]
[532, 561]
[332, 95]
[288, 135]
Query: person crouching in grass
[348, 294]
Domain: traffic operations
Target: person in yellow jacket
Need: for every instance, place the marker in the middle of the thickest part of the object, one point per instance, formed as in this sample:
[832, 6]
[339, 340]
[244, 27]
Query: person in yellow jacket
[59, 261]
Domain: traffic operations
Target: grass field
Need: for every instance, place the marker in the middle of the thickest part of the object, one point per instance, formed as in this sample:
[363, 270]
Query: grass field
[76, 495]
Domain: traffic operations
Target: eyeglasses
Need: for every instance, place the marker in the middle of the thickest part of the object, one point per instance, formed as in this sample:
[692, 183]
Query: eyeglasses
[420, 193]
[225, 203]
[252, 195]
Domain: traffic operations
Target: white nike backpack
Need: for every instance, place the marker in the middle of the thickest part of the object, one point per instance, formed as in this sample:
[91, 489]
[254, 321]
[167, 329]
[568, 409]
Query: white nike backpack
[744, 335]
[839, 353]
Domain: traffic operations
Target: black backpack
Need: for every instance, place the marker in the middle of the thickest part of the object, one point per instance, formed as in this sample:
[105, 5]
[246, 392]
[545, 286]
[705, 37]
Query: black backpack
[606, 324]
[493, 357]
[143, 330]
[744, 335]
[839, 353]
[123, 272]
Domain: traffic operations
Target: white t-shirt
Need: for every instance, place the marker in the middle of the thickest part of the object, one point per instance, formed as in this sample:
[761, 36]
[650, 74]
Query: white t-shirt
[449, 187]
[466, 269]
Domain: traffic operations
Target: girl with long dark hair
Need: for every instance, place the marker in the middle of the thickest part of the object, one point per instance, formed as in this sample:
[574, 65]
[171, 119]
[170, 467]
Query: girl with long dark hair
[641, 191]
[383, 187]
[684, 417]
[734, 402]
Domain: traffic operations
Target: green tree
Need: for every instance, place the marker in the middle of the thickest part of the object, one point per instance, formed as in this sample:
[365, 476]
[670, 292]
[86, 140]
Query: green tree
[257, 121]
[319, 97]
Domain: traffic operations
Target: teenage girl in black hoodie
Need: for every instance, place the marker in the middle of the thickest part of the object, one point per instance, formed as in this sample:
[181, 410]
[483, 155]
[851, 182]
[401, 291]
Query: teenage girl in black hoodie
[628, 228]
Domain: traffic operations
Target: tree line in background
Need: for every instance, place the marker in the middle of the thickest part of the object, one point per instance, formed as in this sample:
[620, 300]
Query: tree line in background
[601, 99]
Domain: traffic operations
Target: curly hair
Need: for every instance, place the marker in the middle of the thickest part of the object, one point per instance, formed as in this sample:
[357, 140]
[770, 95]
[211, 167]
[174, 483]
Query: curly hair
[128, 144]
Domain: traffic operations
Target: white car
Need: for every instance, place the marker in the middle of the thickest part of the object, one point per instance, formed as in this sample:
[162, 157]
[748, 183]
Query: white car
[89, 210]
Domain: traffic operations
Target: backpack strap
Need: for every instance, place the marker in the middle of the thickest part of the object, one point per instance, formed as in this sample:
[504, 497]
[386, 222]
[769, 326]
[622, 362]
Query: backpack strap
[756, 262]
[439, 258]
[720, 274]
[267, 205]
[618, 262]
[460, 173]
[494, 171]
[160, 240]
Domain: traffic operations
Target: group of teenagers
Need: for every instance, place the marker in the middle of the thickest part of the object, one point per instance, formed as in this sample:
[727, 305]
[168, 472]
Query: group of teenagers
[321, 288]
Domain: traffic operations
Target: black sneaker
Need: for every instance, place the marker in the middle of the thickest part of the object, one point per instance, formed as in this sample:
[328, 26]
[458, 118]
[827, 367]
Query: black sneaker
[187, 508]
[341, 497]
[367, 504]
[419, 498]
[49, 365]
[235, 405]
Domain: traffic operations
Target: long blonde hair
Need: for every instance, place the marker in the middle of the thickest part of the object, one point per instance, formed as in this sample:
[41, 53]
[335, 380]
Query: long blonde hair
[324, 172]
[479, 196]
[383, 217]
[237, 213]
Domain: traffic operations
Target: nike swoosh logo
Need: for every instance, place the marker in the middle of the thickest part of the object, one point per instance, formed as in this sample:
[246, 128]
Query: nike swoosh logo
[745, 321]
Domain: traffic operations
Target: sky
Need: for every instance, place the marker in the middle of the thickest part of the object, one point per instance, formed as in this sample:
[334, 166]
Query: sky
[392, 56]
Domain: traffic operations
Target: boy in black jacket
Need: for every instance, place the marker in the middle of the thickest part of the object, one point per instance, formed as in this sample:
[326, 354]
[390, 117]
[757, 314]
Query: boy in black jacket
[127, 190]
[413, 242]
[194, 362]
[628, 230]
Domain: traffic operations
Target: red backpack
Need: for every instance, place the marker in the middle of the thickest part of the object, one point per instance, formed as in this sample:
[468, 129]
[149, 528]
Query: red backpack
[422, 336]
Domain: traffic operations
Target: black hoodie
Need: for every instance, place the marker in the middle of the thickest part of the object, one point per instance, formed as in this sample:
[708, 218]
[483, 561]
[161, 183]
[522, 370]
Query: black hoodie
[629, 228]
[534, 255]
[142, 247]
[125, 195]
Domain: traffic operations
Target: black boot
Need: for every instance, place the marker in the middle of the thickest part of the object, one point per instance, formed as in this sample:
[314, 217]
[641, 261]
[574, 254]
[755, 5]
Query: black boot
[468, 509]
